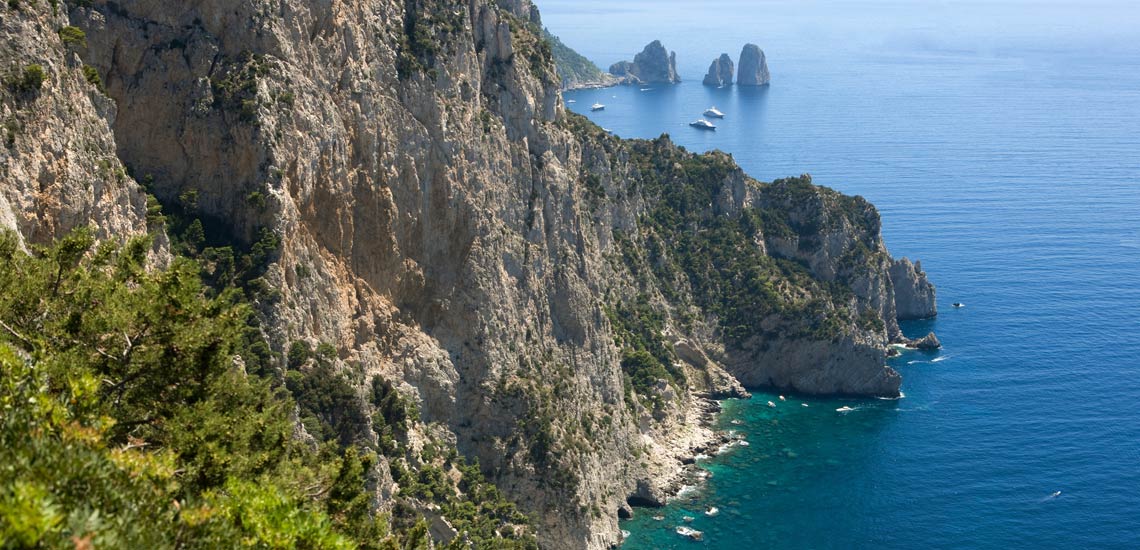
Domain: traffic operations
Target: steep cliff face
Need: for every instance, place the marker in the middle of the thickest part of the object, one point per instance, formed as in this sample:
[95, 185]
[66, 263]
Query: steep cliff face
[720, 72]
[558, 302]
[654, 65]
[753, 67]
[914, 295]
[57, 153]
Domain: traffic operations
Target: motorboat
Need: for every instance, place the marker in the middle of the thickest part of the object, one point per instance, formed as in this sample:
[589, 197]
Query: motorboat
[597, 107]
[714, 113]
[702, 124]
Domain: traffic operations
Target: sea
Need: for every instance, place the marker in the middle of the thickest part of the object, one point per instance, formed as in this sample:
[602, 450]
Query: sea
[1000, 141]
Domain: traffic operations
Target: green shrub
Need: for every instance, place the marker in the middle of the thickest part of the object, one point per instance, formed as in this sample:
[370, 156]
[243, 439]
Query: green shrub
[73, 36]
[91, 74]
[29, 80]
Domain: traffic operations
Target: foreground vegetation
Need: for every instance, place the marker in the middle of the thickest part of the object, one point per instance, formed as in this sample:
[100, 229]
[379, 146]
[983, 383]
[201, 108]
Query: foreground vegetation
[142, 409]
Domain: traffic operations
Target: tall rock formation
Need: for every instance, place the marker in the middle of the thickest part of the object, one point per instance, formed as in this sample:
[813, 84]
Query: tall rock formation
[914, 295]
[654, 65]
[720, 72]
[753, 67]
[556, 301]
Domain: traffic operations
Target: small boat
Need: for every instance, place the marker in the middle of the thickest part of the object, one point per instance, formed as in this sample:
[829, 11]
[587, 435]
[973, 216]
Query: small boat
[959, 304]
[597, 107]
[844, 409]
[691, 534]
[771, 404]
[687, 519]
[712, 511]
[647, 89]
[782, 398]
[803, 404]
[702, 124]
[743, 443]
[714, 113]
[658, 518]
[571, 101]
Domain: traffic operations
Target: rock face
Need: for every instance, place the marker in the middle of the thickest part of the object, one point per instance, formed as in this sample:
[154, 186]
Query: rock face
[446, 225]
[654, 65]
[58, 166]
[753, 67]
[720, 72]
[914, 294]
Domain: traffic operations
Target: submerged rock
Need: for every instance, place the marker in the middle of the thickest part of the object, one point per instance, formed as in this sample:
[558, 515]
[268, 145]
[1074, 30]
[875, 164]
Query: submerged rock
[720, 72]
[753, 67]
[654, 65]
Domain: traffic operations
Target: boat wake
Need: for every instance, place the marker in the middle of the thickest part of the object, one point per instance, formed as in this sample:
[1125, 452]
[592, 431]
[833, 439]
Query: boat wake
[940, 359]
[1054, 495]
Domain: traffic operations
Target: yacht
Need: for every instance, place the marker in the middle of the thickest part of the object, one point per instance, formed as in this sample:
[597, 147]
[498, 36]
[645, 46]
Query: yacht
[714, 113]
[959, 304]
[702, 124]
[597, 107]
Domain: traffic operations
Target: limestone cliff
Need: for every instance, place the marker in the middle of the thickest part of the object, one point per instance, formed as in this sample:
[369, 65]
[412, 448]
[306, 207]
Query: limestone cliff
[914, 295]
[558, 302]
[57, 157]
[720, 72]
[753, 67]
[654, 65]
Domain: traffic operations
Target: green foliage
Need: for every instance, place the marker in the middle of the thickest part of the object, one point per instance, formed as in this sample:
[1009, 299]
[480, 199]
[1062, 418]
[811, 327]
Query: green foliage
[92, 76]
[236, 87]
[127, 420]
[73, 36]
[572, 66]
[27, 81]
[429, 27]
[330, 408]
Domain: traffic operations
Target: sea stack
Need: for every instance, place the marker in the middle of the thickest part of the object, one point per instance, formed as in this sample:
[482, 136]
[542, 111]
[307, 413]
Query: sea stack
[720, 72]
[914, 295]
[753, 67]
[654, 65]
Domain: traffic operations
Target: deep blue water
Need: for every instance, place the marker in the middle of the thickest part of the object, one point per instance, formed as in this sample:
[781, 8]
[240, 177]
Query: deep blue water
[1001, 143]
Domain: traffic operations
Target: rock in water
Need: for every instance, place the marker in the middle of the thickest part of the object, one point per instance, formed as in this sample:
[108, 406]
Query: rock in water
[914, 295]
[928, 343]
[753, 67]
[720, 72]
[654, 65]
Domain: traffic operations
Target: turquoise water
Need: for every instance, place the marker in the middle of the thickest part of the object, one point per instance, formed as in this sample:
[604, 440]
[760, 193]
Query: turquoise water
[1001, 143]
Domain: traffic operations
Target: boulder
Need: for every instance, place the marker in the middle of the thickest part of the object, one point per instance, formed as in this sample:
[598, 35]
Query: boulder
[753, 67]
[927, 343]
[720, 72]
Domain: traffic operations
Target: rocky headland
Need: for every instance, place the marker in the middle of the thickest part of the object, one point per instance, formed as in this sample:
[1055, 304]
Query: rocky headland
[720, 72]
[559, 305]
[654, 65]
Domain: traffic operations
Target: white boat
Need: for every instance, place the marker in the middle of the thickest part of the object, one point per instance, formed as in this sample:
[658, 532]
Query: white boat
[712, 511]
[687, 519]
[691, 534]
[597, 107]
[714, 113]
[782, 398]
[959, 304]
[844, 409]
[571, 101]
[702, 124]
[803, 404]
[771, 404]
